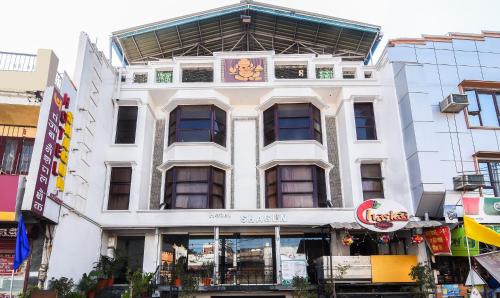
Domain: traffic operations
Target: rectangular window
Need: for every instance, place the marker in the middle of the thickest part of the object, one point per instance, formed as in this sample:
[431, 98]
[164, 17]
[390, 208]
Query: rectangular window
[290, 71]
[295, 187]
[372, 181]
[491, 173]
[194, 188]
[201, 74]
[197, 124]
[15, 155]
[126, 125]
[483, 109]
[365, 121]
[286, 122]
[164, 76]
[324, 73]
[349, 73]
[140, 78]
[119, 188]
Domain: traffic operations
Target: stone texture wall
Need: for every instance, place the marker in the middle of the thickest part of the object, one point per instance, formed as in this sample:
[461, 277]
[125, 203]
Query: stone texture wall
[155, 195]
[333, 158]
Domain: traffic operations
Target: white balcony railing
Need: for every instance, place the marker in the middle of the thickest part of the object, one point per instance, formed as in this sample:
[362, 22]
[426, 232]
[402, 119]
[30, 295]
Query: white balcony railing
[17, 62]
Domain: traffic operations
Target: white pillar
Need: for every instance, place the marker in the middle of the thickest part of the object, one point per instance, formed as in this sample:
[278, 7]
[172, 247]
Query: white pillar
[277, 245]
[216, 255]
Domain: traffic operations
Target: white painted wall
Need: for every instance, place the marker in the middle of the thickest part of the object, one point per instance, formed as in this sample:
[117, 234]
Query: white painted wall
[245, 178]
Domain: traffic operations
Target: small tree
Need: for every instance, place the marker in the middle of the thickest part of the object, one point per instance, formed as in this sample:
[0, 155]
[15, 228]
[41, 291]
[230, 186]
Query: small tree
[189, 285]
[340, 270]
[63, 286]
[302, 287]
[424, 277]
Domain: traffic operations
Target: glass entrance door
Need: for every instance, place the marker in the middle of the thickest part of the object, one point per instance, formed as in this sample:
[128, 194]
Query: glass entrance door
[247, 260]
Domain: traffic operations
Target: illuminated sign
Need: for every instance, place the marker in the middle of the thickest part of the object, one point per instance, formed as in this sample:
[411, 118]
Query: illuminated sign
[382, 215]
[59, 167]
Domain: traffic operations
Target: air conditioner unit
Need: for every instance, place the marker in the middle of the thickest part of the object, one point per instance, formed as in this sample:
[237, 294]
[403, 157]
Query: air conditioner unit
[454, 103]
[468, 182]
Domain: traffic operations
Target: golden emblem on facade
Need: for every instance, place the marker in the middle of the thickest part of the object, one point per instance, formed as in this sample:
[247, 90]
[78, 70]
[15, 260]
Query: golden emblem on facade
[245, 70]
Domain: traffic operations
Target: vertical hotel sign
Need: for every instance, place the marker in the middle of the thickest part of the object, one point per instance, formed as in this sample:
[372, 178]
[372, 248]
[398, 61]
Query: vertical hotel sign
[47, 154]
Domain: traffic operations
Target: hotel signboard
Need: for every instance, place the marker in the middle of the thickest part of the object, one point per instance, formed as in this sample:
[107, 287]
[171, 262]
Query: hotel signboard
[382, 215]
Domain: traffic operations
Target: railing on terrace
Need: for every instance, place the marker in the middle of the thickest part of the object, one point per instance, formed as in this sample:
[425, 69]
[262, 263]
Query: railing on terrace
[17, 62]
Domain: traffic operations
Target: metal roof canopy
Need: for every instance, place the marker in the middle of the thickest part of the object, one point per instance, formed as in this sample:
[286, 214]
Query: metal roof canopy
[223, 29]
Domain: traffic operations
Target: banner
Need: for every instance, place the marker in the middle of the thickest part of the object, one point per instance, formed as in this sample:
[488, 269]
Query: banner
[439, 240]
[459, 246]
[244, 70]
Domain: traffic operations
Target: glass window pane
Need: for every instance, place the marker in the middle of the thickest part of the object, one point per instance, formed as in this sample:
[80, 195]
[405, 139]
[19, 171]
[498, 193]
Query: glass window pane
[292, 187]
[495, 177]
[192, 188]
[25, 159]
[371, 170]
[9, 155]
[190, 174]
[191, 201]
[474, 120]
[293, 110]
[194, 136]
[296, 173]
[488, 111]
[195, 124]
[294, 134]
[372, 185]
[197, 112]
[294, 122]
[126, 125]
[471, 96]
[298, 201]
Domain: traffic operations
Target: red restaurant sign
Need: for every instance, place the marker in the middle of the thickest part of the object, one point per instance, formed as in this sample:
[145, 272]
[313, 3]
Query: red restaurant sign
[48, 151]
[382, 215]
[439, 240]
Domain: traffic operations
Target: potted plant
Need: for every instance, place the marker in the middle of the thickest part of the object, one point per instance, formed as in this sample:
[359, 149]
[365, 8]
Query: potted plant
[88, 283]
[424, 277]
[207, 271]
[179, 271]
[189, 285]
[138, 284]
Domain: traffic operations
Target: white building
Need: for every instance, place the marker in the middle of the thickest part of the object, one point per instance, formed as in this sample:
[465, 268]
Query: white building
[249, 132]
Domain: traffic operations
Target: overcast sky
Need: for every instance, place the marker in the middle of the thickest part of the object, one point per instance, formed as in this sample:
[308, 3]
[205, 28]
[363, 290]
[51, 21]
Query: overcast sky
[26, 25]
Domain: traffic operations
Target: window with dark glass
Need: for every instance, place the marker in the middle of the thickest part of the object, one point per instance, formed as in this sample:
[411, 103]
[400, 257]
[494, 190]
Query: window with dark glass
[201, 74]
[491, 173]
[194, 188]
[285, 122]
[483, 109]
[126, 125]
[119, 188]
[295, 187]
[140, 78]
[365, 121]
[372, 181]
[197, 124]
[290, 71]
[325, 72]
[15, 155]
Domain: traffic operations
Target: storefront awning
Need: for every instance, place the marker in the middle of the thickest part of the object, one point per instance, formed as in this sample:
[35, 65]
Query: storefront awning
[491, 263]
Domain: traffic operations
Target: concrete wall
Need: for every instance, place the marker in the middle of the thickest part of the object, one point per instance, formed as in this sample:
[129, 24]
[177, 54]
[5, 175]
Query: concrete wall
[439, 146]
[37, 80]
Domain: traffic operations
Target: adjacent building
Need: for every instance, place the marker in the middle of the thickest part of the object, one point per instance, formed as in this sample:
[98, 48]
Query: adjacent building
[23, 81]
[448, 92]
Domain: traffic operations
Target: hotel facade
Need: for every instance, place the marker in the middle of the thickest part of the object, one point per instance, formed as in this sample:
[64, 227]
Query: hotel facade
[248, 144]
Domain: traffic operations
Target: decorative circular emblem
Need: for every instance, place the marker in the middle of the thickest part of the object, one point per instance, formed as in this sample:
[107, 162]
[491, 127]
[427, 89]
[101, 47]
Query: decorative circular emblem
[382, 215]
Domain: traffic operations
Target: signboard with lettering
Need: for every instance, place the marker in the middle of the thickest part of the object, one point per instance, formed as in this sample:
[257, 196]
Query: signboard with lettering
[382, 215]
[47, 155]
[439, 240]
[244, 70]
[482, 209]
[458, 245]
